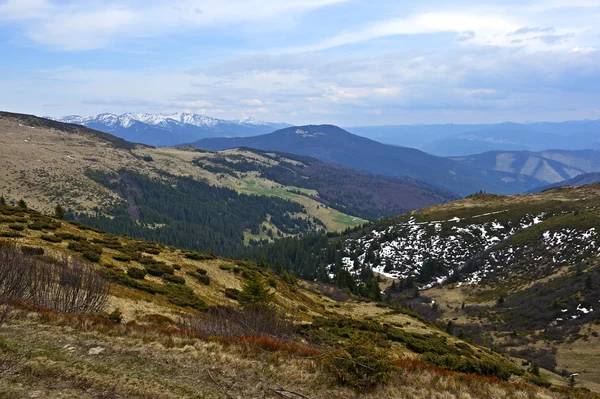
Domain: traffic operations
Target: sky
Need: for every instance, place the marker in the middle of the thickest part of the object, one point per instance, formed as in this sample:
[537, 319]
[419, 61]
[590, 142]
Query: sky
[344, 62]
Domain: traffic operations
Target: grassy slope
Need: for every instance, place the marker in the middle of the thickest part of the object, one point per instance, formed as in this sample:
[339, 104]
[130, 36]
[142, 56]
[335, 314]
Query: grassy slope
[148, 361]
[55, 174]
[578, 352]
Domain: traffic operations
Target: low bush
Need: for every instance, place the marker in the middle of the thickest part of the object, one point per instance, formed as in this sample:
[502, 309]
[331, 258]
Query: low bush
[136, 273]
[70, 236]
[232, 293]
[16, 227]
[473, 366]
[89, 251]
[359, 364]
[199, 256]
[200, 275]
[121, 258]
[11, 234]
[173, 279]
[159, 269]
[51, 238]
[158, 320]
[183, 296]
[229, 321]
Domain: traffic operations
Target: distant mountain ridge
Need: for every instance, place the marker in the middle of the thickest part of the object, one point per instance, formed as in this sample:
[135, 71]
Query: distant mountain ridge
[551, 166]
[581, 180]
[461, 140]
[333, 144]
[170, 129]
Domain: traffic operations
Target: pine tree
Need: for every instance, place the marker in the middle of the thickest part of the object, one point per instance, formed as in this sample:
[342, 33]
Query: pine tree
[59, 212]
[255, 294]
[500, 301]
[22, 204]
[2, 200]
[535, 369]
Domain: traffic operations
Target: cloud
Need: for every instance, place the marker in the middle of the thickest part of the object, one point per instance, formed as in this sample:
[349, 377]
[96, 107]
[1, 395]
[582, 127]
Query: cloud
[526, 29]
[87, 24]
[482, 26]
[331, 61]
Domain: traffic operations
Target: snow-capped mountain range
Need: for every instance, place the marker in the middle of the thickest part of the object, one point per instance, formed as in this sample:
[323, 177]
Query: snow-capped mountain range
[170, 129]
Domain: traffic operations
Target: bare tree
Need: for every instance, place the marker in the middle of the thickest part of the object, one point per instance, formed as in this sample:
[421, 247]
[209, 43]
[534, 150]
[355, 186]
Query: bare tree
[264, 321]
[63, 285]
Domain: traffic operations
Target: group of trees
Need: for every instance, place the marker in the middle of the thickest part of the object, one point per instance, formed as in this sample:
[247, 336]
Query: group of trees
[190, 214]
[314, 257]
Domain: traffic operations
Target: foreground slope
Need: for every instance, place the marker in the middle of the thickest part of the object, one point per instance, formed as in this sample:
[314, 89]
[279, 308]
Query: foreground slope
[151, 351]
[520, 273]
[332, 144]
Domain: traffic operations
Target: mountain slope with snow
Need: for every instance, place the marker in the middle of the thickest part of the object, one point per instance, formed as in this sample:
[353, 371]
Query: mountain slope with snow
[170, 129]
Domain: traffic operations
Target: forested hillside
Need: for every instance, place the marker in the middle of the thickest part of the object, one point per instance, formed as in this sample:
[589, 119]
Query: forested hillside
[191, 214]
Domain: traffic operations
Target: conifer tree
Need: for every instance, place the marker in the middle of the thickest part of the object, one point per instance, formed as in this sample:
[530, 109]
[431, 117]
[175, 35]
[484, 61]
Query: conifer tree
[59, 212]
[255, 294]
[22, 204]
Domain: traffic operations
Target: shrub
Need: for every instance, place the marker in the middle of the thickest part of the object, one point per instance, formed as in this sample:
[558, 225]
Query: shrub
[199, 256]
[136, 273]
[116, 316]
[232, 293]
[173, 279]
[51, 238]
[88, 250]
[11, 234]
[228, 321]
[62, 285]
[16, 227]
[203, 279]
[121, 258]
[200, 275]
[184, 296]
[359, 364]
[176, 267]
[69, 236]
[92, 256]
[158, 319]
[158, 269]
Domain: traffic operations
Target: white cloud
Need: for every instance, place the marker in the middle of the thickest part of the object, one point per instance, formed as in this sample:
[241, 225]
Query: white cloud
[86, 24]
[583, 50]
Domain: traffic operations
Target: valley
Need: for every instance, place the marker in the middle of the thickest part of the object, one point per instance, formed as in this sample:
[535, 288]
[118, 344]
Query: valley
[134, 188]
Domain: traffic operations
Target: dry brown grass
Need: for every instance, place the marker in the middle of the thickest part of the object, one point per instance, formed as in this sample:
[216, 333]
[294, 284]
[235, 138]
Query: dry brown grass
[138, 363]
